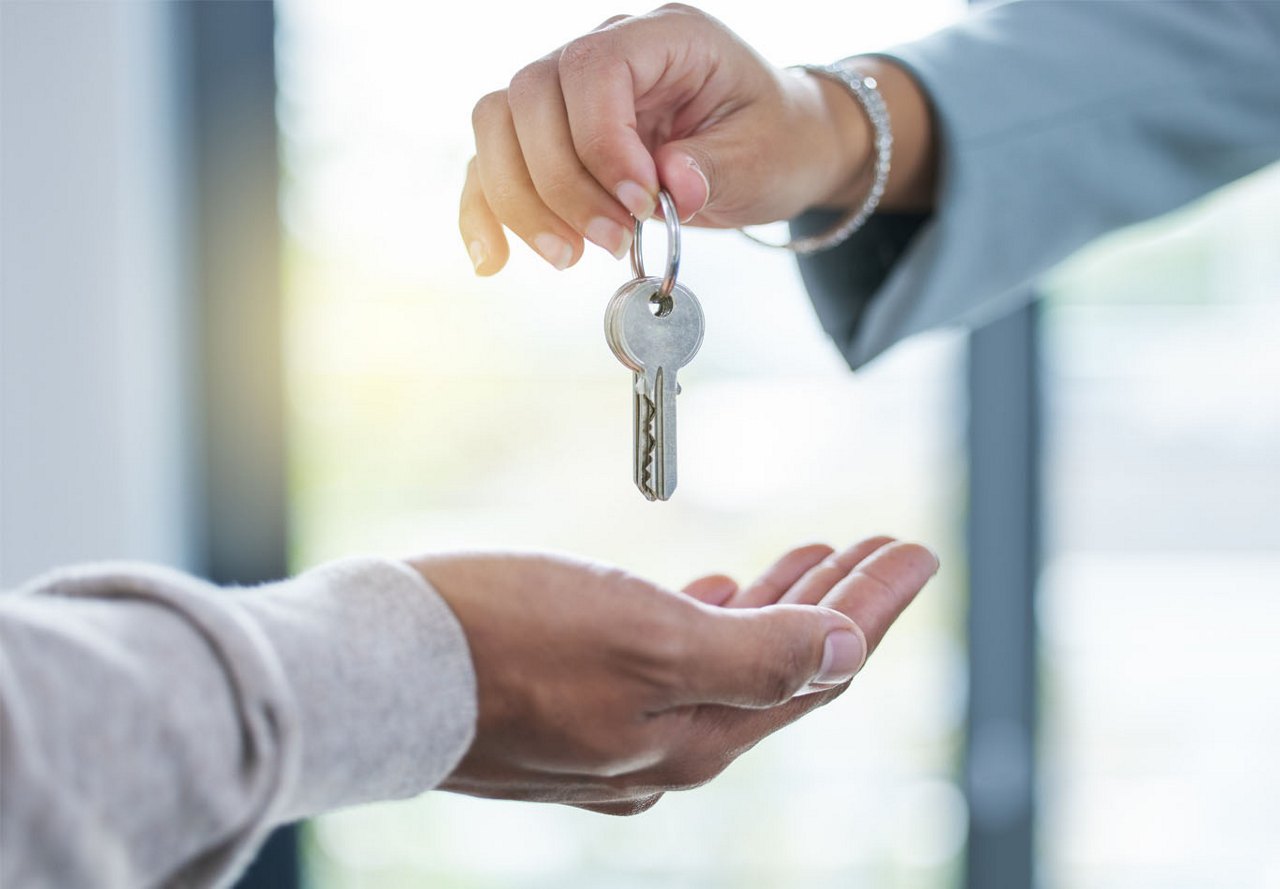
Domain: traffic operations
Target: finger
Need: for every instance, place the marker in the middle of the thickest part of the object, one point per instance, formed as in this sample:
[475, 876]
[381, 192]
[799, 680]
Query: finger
[481, 231]
[509, 191]
[714, 589]
[726, 174]
[874, 594]
[714, 176]
[599, 87]
[685, 178]
[880, 588]
[780, 576]
[562, 182]
[760, 657]
[819, 580]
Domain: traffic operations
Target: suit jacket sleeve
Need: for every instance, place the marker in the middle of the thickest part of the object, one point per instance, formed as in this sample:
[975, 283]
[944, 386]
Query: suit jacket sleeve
[1057, 121]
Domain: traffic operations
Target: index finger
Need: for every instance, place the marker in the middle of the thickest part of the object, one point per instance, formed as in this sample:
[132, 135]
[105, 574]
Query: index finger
[881, 587]
[597, 80]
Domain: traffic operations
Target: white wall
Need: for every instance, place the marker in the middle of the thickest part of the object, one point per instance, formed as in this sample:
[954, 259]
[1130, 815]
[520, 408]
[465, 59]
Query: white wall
[94, 456]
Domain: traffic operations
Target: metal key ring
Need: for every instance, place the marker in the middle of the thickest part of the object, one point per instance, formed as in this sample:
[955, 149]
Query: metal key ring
[673, 248]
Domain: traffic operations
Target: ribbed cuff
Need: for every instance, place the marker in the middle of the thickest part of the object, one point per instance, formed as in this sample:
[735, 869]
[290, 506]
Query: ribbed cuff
[381, 675]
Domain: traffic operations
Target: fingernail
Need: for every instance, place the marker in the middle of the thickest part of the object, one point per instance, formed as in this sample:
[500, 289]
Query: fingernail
[937, 563]
[609, 235]
[554, 250]
[633, 196]
[693, 165]
[478, 254]
[842, 656]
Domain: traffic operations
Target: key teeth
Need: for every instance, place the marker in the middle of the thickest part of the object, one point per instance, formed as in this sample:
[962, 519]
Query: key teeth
[650, 444]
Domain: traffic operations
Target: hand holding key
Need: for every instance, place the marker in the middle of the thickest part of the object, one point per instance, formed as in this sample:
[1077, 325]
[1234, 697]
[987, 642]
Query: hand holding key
[584, 137]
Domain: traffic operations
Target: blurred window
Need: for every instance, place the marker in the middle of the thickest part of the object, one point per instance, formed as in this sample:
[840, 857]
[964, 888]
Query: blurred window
[1160, 602]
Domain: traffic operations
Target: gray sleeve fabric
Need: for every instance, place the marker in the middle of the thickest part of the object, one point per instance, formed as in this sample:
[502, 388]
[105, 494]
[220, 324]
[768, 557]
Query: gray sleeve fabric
[154, 728]
[1057, 121]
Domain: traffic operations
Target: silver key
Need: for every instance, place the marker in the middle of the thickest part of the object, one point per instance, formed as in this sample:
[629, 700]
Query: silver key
[655, 338]
[641, 411]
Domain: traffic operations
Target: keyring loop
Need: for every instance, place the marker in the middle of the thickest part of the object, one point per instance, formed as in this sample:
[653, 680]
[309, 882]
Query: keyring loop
[673, 247]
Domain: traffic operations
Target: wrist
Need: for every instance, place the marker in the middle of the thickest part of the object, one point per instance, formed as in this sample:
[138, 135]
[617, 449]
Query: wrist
[848, 160]
[912, 179]
[846, 137]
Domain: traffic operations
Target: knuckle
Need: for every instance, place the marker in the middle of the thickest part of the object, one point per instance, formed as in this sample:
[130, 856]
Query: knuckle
[584, 55]
[504, 197]
[595, 147]
[526, 82]
[488, 108]
[613, 20]
[681, 9]
[557, 187]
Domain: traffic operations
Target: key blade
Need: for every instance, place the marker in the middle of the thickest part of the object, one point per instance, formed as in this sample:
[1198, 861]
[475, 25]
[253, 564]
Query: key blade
[664, 434]
[644, 415]
[656, 475]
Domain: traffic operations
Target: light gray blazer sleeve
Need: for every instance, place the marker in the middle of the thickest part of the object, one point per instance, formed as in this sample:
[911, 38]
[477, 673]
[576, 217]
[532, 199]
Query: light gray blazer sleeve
[1058, 121]
[154, 728]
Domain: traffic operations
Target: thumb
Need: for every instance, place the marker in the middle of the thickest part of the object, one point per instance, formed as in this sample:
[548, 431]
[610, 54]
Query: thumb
[763, 657]
[685, 177]
[715, 176]
[731, 173]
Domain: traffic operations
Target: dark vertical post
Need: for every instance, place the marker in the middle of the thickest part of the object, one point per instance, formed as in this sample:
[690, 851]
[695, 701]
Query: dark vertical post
[1004, 562]
[236, 268]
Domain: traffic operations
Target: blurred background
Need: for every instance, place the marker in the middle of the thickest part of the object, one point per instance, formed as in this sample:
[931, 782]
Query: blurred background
[239, 334]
